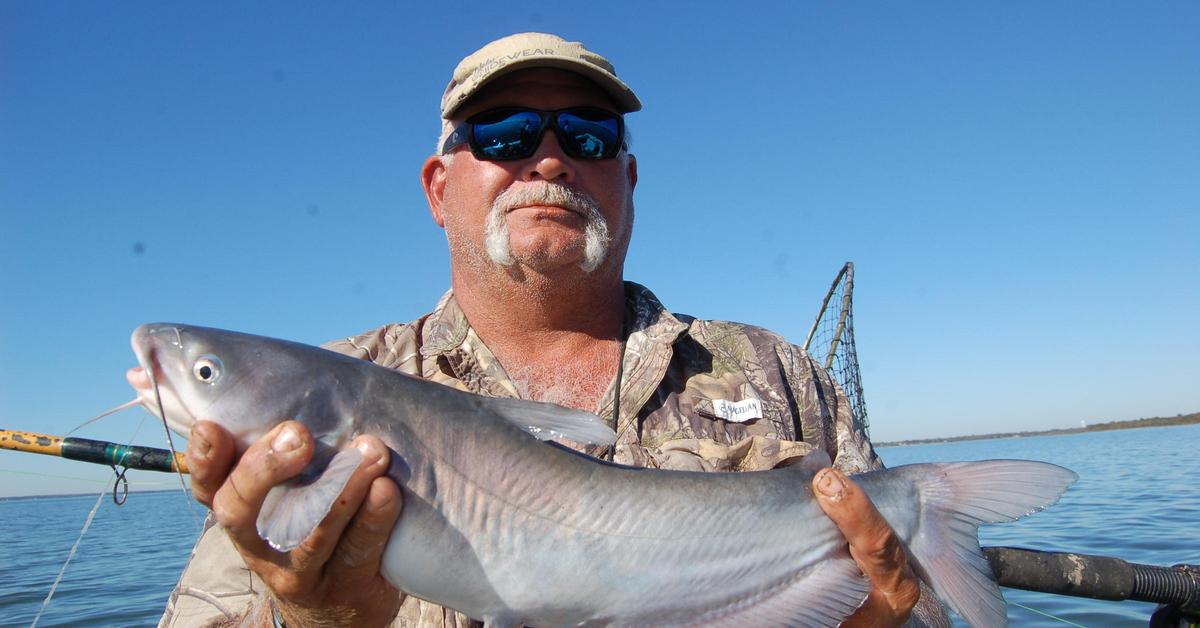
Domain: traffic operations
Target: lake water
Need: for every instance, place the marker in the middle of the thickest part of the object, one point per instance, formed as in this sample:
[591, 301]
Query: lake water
[1138, 498]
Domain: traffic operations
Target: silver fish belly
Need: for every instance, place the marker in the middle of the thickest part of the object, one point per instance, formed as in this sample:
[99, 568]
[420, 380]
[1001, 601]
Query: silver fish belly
[512, 530]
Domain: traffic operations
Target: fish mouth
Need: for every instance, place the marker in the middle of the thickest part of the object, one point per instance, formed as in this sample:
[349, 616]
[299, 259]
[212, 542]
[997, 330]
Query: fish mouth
[150, 380]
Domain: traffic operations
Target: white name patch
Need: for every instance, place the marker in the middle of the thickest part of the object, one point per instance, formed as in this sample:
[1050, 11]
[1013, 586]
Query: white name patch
[737, 411]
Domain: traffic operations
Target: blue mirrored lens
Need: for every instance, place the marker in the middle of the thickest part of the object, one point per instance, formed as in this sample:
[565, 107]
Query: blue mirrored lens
[589, 135]
[514, 136]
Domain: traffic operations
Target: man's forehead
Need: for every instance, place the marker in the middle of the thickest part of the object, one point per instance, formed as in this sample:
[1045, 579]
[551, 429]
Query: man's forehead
[538, 83]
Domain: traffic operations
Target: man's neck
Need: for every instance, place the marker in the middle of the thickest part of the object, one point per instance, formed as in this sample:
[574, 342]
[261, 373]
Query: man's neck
[537, 311]
[559, 341]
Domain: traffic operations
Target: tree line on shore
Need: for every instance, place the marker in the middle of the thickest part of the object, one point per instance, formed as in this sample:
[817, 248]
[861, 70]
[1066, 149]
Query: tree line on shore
[1179, 419]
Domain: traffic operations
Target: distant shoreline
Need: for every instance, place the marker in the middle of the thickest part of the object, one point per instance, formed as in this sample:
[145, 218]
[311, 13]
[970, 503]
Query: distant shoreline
[94, 494]
[1182, 419]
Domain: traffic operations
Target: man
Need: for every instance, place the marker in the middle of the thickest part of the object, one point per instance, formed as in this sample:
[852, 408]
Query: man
[533, 184]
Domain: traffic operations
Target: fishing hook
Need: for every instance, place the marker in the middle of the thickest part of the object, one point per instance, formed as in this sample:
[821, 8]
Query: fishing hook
[121, 483]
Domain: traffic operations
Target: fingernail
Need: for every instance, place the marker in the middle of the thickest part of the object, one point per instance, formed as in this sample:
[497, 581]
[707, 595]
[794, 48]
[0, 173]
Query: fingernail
[371, 455]
[831, 485]
[198, 444]
[287, 440]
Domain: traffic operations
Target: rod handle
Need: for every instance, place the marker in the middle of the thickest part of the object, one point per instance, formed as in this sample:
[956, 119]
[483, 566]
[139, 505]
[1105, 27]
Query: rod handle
[96, 451]
[1099, 577]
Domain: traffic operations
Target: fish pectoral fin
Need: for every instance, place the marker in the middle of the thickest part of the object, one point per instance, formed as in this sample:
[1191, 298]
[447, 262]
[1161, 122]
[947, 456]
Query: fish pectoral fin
[547, 420]
[291, 511]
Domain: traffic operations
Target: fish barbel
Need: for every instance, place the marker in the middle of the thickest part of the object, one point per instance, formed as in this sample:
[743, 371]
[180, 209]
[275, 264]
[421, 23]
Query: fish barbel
[514, 531]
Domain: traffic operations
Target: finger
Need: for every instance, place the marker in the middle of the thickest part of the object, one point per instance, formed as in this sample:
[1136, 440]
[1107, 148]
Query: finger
[277, 456]
[873, 544]
[853, 513]
[317, 549]
[209, 457]
[360, 551]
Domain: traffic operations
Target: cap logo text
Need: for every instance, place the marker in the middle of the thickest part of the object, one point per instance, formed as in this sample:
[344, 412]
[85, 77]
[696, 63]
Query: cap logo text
[495, 63]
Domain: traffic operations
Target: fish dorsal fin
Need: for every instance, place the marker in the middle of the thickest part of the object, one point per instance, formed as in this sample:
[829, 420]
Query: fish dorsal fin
[547, 420]
[814, 461]
[292, 510]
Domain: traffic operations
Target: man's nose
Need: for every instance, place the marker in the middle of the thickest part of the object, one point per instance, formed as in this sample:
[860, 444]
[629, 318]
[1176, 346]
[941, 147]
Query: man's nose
[549, 162]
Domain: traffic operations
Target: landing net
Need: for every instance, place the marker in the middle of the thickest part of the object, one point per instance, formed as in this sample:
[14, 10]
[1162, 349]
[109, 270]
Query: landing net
[831, 342]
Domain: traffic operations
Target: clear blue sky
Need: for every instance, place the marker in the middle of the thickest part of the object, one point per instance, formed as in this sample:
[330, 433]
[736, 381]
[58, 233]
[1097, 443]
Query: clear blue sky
[1017, 183]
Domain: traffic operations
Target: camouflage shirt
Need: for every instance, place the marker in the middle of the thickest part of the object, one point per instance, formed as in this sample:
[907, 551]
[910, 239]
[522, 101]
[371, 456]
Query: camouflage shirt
[694, 395]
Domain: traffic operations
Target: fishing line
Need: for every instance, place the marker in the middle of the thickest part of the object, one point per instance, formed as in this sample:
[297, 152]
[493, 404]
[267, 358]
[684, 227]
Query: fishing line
[120, 489]
[76, 478]
[91, 515]
[1028, 608]
[57, 477]
[162, 414]
[121, 483]
[86, 524]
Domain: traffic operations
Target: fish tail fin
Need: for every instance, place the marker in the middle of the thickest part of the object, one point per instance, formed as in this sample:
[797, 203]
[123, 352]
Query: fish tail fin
[956, 498]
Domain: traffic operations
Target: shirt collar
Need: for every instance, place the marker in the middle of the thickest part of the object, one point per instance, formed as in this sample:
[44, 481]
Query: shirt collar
[646, 315]
[447, 326]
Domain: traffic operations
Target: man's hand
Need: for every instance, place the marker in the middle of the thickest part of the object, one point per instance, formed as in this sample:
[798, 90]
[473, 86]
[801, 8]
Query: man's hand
[894, 588]
[333, 577]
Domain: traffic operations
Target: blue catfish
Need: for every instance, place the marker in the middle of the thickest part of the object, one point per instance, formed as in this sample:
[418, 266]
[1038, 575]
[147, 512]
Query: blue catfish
[512, 530]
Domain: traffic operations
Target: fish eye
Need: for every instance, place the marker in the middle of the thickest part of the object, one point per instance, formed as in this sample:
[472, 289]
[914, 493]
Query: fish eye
[207, 369]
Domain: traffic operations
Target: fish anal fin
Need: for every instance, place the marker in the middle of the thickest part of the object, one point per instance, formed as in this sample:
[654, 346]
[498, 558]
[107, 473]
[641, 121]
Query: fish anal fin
[547, 421]
[825, 594]
[292, 510]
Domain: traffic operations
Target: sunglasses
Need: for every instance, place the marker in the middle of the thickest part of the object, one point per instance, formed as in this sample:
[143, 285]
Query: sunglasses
[516, 132]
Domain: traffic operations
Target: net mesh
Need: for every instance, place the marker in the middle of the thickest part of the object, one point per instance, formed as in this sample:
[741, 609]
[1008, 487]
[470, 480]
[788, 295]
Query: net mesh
[831, 342]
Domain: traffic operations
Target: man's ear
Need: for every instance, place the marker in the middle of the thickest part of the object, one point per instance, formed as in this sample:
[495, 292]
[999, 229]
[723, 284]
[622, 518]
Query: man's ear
[632, 172]
[433, 181]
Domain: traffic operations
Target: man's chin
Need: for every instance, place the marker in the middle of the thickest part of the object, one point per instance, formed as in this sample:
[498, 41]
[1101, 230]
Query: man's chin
[550, 248]
[545, 263]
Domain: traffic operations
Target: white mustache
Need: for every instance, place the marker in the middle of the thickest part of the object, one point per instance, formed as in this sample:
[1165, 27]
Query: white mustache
[547, 193]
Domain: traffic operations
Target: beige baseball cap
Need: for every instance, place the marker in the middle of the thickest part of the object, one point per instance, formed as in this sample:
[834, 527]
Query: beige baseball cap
[533, 50]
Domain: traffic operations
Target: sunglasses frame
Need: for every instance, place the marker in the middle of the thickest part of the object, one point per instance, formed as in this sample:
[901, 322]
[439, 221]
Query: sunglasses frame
[464, 133]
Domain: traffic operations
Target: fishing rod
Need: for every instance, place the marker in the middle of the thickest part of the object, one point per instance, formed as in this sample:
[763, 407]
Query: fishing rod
[98, 452]
[1176, 588]
[1060, 573]
[95, 451]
